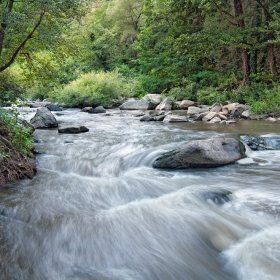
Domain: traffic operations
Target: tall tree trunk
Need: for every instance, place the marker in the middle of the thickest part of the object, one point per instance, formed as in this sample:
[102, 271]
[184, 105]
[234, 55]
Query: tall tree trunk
[238, 13]
[256, 22]
[271, 60]
[3, 25]
[271, 36]
[246, 66]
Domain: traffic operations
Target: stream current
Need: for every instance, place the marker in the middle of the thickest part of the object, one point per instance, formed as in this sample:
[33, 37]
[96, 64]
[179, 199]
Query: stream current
[98, 210]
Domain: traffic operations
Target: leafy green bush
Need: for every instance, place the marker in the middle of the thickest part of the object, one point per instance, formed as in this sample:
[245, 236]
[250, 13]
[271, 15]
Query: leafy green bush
[10, 87]
[188, 92]
[94, 89]
[19, 134]
[263, 99]
[210, 96]
[206, 78]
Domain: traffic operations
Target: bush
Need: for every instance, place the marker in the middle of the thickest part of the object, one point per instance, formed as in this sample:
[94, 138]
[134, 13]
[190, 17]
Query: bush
[263, 99]
[94, 89]
[189, 92]
[211, 96]
[19, 135]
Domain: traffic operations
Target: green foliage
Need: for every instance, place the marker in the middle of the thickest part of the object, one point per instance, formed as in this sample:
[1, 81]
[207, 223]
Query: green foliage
[28, 26]
[211, 96]
[10, 89]
[187, 92]
[95, 88]
[261, 97]
[107, 34]
[19, 134]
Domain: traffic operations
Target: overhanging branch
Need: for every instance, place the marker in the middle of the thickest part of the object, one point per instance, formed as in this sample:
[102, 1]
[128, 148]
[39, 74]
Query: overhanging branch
[16, 52]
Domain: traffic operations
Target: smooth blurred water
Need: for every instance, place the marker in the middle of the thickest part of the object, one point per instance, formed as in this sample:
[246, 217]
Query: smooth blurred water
[98, 210]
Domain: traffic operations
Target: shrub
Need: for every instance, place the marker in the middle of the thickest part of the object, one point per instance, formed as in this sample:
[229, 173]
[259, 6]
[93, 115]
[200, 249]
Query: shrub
[189, 92]
[210, 96]
[264, 100]
[94, 89]
[19, 134]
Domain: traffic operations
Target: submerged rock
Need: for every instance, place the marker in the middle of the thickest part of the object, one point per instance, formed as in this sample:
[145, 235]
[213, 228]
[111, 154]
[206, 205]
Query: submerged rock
[86, 109]
[256, 143]
[202, 154]
[43, 119]
[53, 107]
[147, 118]
[218, 197]
[72, 129]
[97, 110]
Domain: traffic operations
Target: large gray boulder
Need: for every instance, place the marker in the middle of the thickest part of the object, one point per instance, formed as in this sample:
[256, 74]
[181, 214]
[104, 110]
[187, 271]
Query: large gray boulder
[185, 104]
[202, 154]
[137, 105]
[43, 119]
[193, 110]
[153, 97]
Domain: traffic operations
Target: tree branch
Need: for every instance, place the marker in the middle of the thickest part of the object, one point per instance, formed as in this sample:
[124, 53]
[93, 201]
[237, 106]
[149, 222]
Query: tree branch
[222, 11]
[267, 14]
[12, 59]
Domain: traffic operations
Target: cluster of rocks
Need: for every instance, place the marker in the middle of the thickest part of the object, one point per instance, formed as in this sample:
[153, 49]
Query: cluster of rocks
[217, 113]
[195, 154]
[45, 119]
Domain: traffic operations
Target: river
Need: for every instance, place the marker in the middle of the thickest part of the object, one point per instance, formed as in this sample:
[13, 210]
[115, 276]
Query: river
[98, 210]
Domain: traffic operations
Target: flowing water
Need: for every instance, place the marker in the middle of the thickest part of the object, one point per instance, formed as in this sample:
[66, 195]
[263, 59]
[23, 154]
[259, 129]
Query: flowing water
[98, 210]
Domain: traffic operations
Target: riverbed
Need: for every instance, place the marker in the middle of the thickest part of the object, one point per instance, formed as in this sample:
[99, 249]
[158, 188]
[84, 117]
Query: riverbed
[97, 209]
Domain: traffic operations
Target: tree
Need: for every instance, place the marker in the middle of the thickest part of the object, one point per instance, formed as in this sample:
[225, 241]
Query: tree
[107, 34]
[26, 26]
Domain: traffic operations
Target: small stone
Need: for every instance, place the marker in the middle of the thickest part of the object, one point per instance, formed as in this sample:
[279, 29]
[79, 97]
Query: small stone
[246, 161]
[185, 104]
[215, 120]
[146, 118]
[166, 104]
[174, 118]
[53, 107]
[271, 120]
[193, 110]
[216, 108]
[209, 116]
[222, 116]
[230, 122]
[97, 110]
[87, 109]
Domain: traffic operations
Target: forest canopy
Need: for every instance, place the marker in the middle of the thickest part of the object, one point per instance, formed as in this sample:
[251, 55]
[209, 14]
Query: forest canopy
[204, 50]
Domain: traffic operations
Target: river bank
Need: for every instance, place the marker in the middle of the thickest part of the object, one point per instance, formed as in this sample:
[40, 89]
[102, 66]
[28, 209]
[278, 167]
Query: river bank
[16, 161]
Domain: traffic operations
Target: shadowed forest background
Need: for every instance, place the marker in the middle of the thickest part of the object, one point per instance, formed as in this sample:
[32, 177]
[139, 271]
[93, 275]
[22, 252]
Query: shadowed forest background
[91, 53]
